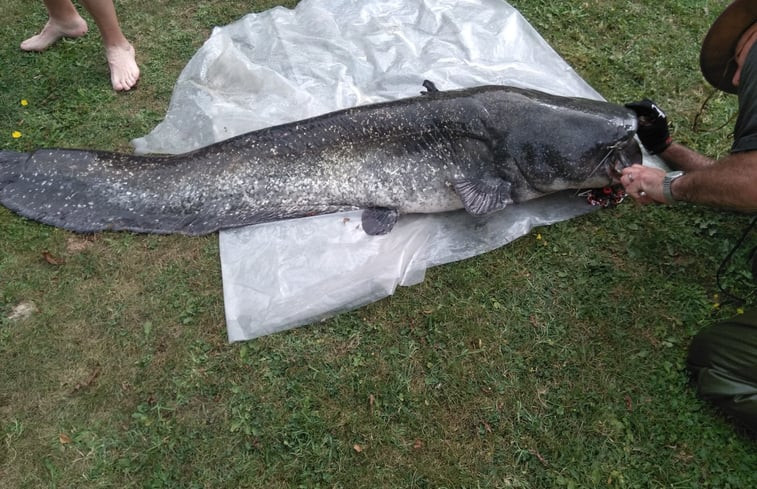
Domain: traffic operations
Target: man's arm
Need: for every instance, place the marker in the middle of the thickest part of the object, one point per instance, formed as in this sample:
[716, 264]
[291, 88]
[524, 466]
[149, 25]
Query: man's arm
[680, 157]
[729, 183]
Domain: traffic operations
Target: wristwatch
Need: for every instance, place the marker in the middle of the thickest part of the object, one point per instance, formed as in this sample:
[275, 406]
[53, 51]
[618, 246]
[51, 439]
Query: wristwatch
[667, 183]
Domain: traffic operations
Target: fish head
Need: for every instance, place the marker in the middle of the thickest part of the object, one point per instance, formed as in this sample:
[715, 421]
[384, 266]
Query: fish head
[545, 143]
[611, 145]
[587, 147]
[557, 143]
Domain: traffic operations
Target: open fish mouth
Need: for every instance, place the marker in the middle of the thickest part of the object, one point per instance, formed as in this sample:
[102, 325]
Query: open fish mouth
[624, 154]
[621, 155]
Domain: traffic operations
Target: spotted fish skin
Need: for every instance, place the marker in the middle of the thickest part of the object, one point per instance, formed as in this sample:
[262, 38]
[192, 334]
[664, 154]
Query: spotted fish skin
[480, 149]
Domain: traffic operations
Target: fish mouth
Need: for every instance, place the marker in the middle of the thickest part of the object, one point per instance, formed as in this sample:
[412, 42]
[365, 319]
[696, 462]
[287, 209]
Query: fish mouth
[625, 154]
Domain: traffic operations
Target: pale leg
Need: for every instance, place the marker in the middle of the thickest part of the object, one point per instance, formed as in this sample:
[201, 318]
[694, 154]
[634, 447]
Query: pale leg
[124, 72]
[64, 21]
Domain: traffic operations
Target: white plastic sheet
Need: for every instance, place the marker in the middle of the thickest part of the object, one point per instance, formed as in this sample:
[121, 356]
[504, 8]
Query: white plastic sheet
[283, 65]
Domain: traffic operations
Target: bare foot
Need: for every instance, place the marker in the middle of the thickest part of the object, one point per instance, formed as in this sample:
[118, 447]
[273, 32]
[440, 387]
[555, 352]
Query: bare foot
[124, 72]
[53, 31]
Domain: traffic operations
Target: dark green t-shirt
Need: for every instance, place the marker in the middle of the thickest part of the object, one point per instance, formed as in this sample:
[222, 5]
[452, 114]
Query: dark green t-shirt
[745, 132]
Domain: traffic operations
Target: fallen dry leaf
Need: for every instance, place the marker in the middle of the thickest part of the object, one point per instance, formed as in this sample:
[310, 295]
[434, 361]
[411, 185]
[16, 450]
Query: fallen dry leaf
[357, 448]
[51, 259]
[22, 311]
[418, 444]
[64, 439]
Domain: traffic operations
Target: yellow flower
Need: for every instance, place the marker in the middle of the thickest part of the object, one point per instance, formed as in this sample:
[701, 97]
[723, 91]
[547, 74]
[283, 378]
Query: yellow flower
[16, 134]
[740, 310]
[24, 102]
[538, 236]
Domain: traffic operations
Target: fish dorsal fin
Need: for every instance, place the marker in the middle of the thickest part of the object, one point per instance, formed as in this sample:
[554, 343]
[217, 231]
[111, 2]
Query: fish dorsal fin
[378, 220]
[483, 195]
[430, 88]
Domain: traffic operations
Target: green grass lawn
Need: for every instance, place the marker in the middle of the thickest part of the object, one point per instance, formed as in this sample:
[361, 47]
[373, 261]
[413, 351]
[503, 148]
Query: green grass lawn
[555, 361]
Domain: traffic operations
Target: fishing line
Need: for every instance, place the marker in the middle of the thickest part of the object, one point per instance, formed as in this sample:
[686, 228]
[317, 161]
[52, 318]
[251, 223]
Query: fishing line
[695, 125]
[728, 257]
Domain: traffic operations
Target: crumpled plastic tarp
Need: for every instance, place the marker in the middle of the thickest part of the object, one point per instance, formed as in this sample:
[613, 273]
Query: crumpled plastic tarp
[287, 64]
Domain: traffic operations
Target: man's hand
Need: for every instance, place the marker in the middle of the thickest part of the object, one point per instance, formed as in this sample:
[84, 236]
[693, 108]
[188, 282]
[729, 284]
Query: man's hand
[643, 183]
[653, 126]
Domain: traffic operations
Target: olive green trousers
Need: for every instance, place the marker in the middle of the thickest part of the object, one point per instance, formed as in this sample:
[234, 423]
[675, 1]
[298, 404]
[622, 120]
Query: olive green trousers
[723, 363]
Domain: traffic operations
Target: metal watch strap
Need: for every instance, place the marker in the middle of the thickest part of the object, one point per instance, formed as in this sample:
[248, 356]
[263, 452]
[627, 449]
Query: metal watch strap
[667, 183]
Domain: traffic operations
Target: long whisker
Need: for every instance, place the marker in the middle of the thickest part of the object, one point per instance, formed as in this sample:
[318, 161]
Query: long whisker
[601, 163]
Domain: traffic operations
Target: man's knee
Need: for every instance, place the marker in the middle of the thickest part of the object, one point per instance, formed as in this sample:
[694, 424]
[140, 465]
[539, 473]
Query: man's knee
[723, 362]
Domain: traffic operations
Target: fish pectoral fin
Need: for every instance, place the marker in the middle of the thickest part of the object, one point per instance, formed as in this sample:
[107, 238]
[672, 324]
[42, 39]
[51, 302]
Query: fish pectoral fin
[484, 195]
[379, 220]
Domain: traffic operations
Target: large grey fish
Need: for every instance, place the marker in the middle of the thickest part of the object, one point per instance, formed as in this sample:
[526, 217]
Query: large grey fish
[480, 149]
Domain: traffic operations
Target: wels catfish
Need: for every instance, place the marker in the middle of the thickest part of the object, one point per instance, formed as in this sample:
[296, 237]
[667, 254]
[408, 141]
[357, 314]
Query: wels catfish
[480, 149]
